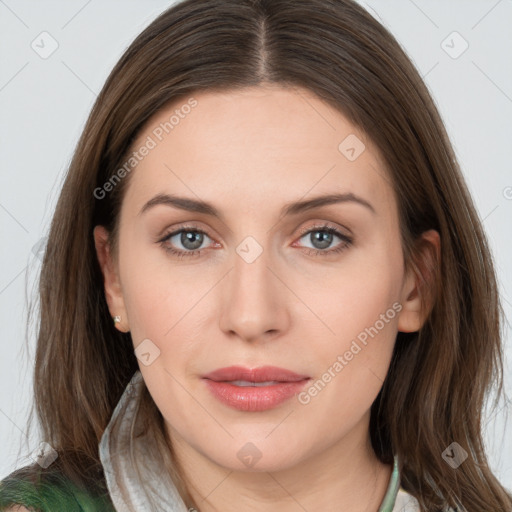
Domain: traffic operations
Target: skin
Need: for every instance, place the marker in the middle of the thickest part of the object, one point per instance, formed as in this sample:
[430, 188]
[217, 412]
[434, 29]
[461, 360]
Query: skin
[249, 153]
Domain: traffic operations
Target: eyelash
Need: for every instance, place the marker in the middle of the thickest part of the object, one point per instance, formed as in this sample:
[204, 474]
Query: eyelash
[346, 241]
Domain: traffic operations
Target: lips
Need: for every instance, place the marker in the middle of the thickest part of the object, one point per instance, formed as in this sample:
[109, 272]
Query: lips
[262, 374]
[254, 390]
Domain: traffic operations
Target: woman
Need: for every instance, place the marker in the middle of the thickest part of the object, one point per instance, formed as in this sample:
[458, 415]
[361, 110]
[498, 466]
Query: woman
[265, 286]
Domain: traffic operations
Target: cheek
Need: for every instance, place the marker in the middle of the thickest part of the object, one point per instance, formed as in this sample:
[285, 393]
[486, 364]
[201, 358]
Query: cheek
[165, 304]
[359, 347]
[357, 293]
[351, 364]
[147, 277]
[360, 306]
[151, 300]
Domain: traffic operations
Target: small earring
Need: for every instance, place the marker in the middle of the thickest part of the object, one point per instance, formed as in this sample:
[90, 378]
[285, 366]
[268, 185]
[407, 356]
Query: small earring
[117, 319]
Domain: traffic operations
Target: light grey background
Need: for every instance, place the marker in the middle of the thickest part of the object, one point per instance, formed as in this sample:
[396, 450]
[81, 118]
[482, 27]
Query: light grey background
[44, 103]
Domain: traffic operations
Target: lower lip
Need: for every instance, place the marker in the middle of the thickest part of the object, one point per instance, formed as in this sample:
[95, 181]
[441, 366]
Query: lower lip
[252, 398]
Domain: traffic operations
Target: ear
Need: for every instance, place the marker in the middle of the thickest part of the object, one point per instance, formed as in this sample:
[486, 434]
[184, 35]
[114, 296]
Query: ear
[109, 268]
[420, 283]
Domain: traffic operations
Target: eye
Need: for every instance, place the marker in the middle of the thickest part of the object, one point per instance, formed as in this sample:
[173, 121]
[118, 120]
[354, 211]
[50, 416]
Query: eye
[322, 237]
[188, 241]
[191, 239]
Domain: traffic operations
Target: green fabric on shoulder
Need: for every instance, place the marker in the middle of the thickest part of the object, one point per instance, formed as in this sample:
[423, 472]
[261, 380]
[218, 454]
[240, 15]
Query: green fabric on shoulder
[51, 493]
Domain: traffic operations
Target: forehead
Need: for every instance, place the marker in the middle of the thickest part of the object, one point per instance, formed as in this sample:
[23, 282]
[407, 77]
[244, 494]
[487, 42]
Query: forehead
[257, 143]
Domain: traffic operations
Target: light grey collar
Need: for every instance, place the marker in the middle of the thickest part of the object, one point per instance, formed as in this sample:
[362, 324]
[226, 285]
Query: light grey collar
[132, 463]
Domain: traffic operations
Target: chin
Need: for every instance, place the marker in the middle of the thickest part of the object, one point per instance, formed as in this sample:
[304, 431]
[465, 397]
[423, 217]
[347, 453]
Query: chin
[255, 457]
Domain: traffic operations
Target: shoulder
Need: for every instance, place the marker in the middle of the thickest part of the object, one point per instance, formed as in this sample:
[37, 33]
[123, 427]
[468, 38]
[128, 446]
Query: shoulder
[32, 489]
[406, 502]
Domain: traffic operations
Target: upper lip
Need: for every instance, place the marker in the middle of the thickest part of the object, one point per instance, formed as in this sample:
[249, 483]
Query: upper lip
[261, 374]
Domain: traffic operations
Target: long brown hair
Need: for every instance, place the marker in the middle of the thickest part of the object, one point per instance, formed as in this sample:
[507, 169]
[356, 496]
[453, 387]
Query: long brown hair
[439, 377]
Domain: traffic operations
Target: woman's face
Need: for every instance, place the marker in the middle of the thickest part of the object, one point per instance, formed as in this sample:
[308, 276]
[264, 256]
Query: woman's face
[259, 281]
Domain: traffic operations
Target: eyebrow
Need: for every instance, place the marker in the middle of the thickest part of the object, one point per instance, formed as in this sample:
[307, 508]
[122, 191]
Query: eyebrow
[293, 208]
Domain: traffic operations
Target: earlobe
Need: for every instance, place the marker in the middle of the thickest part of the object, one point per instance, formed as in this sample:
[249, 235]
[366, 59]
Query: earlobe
[112, 285]
[419, 290]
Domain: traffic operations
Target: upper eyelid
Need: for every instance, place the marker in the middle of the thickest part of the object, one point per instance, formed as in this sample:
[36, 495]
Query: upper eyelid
[325, 225]
[302, 231]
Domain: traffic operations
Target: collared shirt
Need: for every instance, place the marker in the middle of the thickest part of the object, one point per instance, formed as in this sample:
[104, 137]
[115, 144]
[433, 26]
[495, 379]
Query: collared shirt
[137, 480]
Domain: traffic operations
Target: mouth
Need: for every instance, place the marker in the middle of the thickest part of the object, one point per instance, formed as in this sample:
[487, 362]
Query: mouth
[262, 375]
[246, 383]
[254, 390]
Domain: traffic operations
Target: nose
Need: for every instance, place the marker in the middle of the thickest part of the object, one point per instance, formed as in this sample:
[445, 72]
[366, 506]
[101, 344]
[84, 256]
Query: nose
[254, 299]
